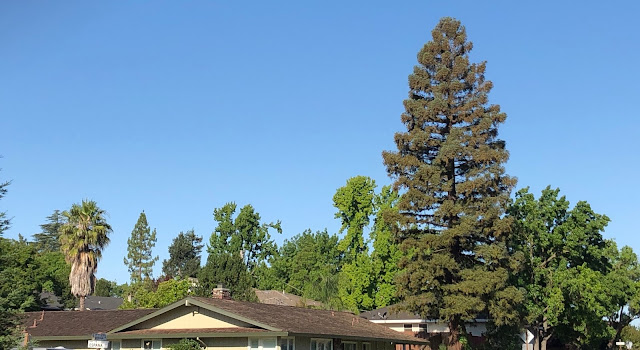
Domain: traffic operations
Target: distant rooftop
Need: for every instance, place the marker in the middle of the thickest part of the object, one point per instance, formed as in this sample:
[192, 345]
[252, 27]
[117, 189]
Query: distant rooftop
[276, 297]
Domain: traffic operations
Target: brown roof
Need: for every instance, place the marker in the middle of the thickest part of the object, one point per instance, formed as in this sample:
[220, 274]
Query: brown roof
[298, 320]
[395, 312]
[195, 331]
[78, 323]
[277, 297]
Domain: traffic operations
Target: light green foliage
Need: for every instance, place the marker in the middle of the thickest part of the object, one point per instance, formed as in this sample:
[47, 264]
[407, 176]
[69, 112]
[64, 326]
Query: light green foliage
[386, 254]
[565, 260]
[184, 256]
[83, 236]
[244, 236]
[230, 271]
[140, 259]
[185, 344]
[305, 265]
[449, 167]
[167, 292]
[632, 334]
[366, 281]
[49, 239]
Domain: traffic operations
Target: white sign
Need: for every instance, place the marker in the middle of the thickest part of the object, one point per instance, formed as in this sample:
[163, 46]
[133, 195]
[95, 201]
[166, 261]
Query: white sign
[620, 343]
[98, 344]
[99, 336]
[526, 336]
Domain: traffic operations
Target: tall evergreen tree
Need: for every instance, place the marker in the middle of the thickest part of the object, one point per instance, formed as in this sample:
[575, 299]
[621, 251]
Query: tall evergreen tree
[49, 239]
[4, 220]
[449, 169]
[184, 256]
[140, 259]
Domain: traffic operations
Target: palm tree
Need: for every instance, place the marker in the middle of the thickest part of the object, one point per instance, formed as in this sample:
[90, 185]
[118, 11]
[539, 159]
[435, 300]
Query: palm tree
[83, 236]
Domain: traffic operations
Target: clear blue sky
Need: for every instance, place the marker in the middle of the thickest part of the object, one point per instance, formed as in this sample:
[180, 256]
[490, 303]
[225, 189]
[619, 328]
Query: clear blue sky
[176, 107]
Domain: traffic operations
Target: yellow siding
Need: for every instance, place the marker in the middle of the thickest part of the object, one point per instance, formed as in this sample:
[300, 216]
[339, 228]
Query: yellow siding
[190, 317]
[68, 344]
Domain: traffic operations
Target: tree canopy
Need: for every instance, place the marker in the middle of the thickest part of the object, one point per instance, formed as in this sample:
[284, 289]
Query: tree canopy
[449, 167]
[140, 259]
[184, 256]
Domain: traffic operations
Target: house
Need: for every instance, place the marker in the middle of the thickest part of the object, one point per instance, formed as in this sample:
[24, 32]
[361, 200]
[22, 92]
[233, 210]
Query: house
[217, 324]
[91, 302]
[431, 329]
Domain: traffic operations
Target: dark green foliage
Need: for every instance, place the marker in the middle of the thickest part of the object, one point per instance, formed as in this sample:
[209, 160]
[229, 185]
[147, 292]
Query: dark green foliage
[185, 344]
[4, 220]
[243, 235]
[106, 288]
[52, 274]
[184, 256]
[449, 169]
[49, 239]
[229, 270]
[565, 263]
[140, 259]
[305, 265]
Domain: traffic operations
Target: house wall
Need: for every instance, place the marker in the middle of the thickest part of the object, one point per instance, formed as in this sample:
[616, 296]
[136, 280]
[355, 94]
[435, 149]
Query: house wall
[190, 317]
[67, 344]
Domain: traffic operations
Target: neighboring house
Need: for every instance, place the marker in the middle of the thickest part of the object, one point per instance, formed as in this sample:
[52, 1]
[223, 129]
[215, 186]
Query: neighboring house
[91, 302]
[432, 329]
[277, 297]
[217, 324]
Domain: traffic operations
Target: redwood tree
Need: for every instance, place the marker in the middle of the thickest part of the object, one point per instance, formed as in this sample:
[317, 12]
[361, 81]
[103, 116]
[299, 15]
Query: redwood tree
[449, 169]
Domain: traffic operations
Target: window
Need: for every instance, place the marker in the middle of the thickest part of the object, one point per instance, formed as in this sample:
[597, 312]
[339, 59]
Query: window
[114, 345]
[262, 343]
[408, 327]
[286, 344]
[422, 327]
[348, 346]
[321, 344]
[366, 346]
[152, 344]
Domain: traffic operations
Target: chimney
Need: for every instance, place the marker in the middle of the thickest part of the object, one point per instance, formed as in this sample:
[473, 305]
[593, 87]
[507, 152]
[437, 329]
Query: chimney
[220, 292]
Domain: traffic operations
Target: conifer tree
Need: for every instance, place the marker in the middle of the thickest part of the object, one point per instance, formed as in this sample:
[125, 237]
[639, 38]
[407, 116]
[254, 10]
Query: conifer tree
[184, 256]
[140, 259]
[454, 190]
[4, 220]
[49, 239]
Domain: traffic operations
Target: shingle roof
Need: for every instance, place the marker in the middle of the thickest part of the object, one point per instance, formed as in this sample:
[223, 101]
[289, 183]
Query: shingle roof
[277, 297]
[395, 312]
[78, 323]
[194, 331]
[298, 320]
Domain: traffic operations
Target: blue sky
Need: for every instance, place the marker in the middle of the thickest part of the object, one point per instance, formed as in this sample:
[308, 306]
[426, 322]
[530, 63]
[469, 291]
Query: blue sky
[177, 107]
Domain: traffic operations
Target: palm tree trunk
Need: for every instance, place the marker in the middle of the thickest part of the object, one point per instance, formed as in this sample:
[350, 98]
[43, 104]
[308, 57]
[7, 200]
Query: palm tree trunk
[82, 302]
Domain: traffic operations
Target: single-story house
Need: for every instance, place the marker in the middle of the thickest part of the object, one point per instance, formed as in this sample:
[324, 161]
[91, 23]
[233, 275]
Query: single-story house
[217, 324]
[277, 297]
[425, 328]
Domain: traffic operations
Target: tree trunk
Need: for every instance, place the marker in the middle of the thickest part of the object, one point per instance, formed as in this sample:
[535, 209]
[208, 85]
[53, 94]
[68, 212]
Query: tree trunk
[453, 340]
[82, 302]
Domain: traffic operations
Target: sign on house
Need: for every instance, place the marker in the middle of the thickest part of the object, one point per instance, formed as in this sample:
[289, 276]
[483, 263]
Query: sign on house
[99, 336]
[98, 344]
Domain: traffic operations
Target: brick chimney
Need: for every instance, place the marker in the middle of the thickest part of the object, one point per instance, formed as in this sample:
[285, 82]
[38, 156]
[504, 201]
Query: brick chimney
[220, 292]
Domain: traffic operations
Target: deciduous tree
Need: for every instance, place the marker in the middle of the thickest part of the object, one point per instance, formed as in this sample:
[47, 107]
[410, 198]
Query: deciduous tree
[229, 270]
[449, 168]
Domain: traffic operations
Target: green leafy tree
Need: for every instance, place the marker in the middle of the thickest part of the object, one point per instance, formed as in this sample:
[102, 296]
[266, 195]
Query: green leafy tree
[184, 256]
[449, 167]
[306, 265]
[83, 236]
[106, 288]
[623, 285]
[386, 253]
[140, 259]
[48, 240]
[229, 270]
[565, 260]
[166, 293]
[243, 235]
[52, 273]
[355, 204]
[631, 334]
